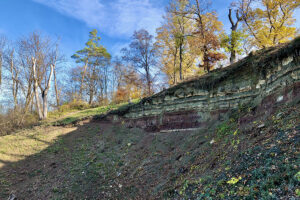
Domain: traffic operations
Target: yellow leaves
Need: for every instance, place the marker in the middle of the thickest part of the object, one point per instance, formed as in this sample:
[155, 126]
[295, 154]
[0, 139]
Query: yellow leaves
[236, 132]
[211, 19]
[234, 180]
[271, 23]
[173, 43]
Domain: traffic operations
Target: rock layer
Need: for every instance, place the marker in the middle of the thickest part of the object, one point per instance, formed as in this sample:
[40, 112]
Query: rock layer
[264, 78]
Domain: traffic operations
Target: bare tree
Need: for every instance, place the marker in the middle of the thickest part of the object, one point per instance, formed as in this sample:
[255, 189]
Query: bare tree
[42, 113]
[39, 57]
[57, 91]
[35, 89]
[26, 74]
[58, 59]
[14, 71]
[2, 47]
[142, 55]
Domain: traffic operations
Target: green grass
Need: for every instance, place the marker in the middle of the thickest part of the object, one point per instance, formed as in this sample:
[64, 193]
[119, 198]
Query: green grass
[19, 145]
[108, 161]
[75, 116]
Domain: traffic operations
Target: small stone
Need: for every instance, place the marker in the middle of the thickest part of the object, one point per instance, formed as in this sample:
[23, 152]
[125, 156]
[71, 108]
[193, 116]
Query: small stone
[280, 98]
[212, 141]
[273, 167]
[12, 197]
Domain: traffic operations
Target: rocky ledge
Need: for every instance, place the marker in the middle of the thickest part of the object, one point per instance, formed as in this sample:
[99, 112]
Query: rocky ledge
[263, 79]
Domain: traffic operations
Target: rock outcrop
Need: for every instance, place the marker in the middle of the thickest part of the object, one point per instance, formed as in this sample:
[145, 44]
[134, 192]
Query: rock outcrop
[264, 78]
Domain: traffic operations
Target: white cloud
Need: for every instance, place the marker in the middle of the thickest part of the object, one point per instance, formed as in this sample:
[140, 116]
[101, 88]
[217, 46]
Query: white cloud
[117, 18]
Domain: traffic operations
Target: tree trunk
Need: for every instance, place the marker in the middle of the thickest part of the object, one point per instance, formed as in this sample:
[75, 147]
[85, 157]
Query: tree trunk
[42, 113]
[148, 81]
[149, 87]
[29, 99]
[45, 105]
[56, 89]
[205, 56]
[232, 56]
[205, 59]
[35, 89]
[174, 64]
[15, 82]
[91, 97]
[105, 82]
[180, 62]
[45, 94]
[82, 79]
[234, 26]
[233, 51]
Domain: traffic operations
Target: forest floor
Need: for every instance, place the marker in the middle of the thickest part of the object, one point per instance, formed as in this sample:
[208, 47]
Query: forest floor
[94, 159]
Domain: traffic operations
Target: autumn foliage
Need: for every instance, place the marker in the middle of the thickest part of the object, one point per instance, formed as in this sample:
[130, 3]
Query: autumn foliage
[189, 42]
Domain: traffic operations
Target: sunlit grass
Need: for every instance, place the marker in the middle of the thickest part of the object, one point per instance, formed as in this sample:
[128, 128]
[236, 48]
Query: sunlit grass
[18, 146]
[71, 117]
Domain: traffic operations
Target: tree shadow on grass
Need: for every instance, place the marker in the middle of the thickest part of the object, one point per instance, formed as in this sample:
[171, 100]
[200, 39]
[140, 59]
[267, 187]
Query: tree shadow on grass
[53, 172]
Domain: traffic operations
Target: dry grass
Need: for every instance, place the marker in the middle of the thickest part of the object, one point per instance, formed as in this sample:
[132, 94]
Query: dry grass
[20, 145]
[16, 119]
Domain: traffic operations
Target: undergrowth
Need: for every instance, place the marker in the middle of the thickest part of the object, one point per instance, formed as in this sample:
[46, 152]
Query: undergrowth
[262, 165]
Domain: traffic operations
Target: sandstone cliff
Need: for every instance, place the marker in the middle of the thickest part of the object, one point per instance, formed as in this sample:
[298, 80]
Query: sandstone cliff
[264, 78]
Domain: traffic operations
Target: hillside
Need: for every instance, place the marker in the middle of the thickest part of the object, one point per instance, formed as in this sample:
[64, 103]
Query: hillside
[99, 160]
[203, 139]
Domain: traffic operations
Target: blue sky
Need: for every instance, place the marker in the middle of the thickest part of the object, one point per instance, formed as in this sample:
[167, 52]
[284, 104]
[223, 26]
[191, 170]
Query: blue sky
[71, 20]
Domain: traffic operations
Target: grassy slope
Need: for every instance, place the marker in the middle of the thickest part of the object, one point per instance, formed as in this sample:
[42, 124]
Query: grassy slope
[25, 143]
[73, 116]
[98, 160]
[17, 146]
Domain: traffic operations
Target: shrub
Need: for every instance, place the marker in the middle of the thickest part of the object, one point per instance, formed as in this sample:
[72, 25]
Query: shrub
[74, 105]
[16, 119]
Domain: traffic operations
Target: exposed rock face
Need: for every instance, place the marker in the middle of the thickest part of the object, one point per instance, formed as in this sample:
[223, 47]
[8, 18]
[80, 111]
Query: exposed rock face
[266, 78]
